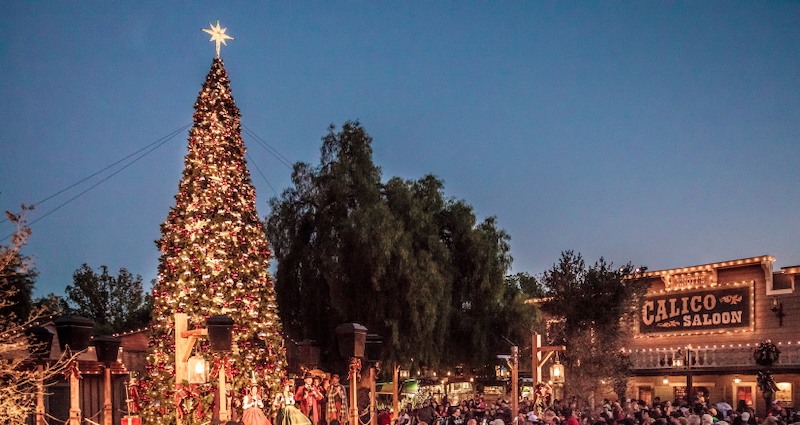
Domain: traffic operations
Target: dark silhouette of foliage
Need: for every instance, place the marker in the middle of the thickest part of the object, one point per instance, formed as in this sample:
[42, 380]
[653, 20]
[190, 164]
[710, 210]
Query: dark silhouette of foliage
[597, 305]
[115, 303]
[398, 257]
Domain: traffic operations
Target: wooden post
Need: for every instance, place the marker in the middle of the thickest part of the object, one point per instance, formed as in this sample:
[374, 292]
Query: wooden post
[355, 367]
[181, 347]
[74, 399]
[224, 412]
[373, 404]
[514, 382]
[395, 391]
[108, 415]
[40, 395]
[536, 358]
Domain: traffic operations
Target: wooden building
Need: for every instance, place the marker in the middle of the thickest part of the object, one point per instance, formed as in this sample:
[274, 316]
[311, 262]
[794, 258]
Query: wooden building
[96, 405]
[699, 326]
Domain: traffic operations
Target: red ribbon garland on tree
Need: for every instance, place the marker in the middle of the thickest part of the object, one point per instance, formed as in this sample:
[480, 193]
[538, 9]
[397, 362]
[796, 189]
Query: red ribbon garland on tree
[226, 363]
[355, 369]
[72, 369]
[183, 392]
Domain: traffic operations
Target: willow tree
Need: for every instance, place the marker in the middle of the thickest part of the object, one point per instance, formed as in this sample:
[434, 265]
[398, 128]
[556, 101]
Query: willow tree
[398, 257]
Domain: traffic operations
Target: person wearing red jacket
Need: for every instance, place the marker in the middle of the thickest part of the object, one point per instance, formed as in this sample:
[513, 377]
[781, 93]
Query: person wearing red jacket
[309, 396]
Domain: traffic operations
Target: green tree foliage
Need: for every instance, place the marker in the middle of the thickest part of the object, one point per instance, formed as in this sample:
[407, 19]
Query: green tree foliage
[52, 304]
[528, 284]
[596, 303]
[115, 303]
[398, 257]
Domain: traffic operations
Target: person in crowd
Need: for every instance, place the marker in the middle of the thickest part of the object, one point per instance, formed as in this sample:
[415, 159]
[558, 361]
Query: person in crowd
[309, 396]
[253, 405]
[404, 418]
[455, 417]
[426, 413]
[336, 406]
[480, 408]
[724, 410]
[284, 403]
[777, 409]
[570, 418]
[384, 417]
[441, 412]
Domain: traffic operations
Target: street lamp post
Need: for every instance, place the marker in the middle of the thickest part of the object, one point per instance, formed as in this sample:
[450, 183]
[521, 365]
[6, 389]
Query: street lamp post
[74, 333]
[513, 363]
[219, 330]
[107, 350]
[682, 359]
[373, 347]
[352, 337]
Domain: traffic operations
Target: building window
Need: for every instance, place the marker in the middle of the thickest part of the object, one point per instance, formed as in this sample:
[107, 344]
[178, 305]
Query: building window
[782, 283]
[784, 392]
[744, 393]
[646, 394]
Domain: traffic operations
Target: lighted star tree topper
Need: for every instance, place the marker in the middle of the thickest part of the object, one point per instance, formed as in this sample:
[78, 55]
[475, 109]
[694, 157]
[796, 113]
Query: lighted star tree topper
[218, 35]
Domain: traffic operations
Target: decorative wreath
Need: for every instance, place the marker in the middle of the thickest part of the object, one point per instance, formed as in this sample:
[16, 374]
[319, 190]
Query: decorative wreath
[766, 354]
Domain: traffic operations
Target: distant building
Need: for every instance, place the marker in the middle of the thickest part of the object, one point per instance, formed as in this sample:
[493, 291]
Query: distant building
[56, 400]
[699, 326]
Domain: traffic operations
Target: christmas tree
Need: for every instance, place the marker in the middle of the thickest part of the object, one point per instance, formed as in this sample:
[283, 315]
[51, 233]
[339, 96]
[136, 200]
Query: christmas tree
[214, 260]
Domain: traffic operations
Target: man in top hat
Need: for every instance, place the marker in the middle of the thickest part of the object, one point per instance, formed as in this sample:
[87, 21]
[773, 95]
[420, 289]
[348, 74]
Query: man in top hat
[309, 396]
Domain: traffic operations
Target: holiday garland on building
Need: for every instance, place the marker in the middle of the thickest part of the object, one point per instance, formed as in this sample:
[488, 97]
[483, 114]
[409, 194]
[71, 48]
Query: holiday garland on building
[766, 353]
[214, 260]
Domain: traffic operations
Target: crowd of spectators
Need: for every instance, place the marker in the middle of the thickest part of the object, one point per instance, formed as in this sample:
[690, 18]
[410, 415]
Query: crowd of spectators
[561, 412]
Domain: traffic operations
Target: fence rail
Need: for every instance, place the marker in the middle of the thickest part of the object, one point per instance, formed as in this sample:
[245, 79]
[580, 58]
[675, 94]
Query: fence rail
[717, 357]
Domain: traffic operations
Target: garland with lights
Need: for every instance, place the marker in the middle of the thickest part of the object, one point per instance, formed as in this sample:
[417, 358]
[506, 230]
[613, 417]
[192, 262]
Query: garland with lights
[214, 260]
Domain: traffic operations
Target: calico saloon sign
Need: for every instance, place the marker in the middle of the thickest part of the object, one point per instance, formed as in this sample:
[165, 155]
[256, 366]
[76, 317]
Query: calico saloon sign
[720, 309]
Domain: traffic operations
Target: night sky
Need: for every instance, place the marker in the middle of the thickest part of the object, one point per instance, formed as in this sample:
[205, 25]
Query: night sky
[661, 133]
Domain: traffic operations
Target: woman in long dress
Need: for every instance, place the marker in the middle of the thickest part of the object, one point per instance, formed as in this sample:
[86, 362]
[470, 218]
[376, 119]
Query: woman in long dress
[288, 414]
[252, 404]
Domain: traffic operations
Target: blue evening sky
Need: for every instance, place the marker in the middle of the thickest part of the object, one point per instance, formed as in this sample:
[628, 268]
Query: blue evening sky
[662, 133]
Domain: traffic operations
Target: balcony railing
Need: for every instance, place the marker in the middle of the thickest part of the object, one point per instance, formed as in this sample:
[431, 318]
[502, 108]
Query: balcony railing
[710, 357]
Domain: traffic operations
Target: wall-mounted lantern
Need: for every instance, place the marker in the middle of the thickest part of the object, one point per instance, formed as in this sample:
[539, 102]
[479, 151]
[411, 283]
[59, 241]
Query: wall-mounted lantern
[557, 372]
[198, 370]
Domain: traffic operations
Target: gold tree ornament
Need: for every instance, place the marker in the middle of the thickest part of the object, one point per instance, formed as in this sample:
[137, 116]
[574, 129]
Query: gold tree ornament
[218, 35]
